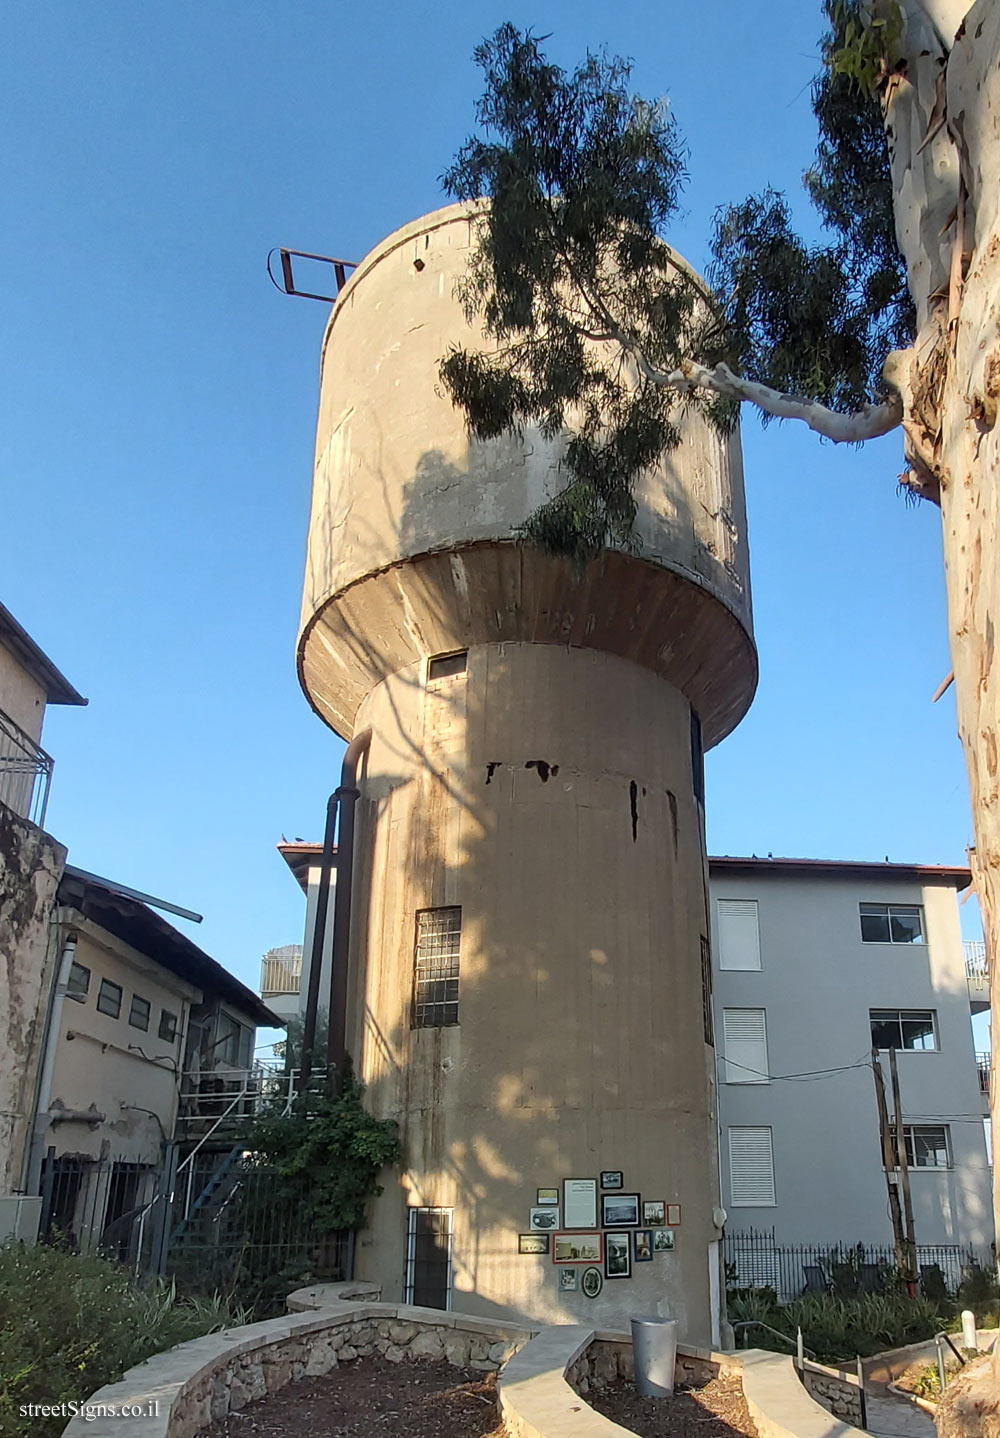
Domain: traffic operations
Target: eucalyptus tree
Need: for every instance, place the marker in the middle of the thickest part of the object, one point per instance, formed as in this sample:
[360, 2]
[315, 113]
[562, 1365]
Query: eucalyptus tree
[600, 332]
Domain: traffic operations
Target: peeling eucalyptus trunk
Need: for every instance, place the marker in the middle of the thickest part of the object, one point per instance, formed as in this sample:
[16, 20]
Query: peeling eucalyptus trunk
[942, 111]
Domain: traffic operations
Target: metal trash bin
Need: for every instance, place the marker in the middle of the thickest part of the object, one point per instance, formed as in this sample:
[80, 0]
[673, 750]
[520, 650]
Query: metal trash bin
[654, 1348]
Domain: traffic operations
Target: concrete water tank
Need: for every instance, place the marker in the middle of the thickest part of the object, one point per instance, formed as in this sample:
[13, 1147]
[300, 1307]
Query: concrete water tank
[529, 984]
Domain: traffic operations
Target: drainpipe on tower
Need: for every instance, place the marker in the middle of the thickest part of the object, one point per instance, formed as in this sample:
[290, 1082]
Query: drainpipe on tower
[348, 795]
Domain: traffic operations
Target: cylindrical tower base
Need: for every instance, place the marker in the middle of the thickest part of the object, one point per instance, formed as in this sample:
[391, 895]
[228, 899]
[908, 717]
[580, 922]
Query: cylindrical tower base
[532, 823]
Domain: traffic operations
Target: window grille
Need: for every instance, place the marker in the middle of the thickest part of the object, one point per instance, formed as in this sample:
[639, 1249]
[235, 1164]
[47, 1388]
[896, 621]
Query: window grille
[435, 985]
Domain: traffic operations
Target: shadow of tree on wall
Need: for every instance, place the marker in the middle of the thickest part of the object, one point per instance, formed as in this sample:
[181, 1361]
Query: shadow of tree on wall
[562, 1035]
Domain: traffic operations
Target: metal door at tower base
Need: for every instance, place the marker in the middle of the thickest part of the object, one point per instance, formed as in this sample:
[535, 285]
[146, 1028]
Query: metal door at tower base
[428, 1257]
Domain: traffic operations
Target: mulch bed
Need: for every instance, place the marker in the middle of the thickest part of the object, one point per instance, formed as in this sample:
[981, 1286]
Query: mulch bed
[718, 1410]
[371, 1398]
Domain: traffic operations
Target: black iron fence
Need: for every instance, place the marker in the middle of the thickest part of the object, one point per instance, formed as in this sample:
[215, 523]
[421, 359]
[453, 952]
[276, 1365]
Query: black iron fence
[755, 1259]
[218, 1224]
[246, 1238]
[105, 1205]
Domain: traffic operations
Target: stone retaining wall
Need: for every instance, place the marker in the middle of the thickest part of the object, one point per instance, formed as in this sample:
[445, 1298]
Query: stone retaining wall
[838, 1392]
[196, 1383]
[608, 1359]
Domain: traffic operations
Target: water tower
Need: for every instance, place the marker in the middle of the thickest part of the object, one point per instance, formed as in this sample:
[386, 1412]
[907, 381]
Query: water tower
[529, 979]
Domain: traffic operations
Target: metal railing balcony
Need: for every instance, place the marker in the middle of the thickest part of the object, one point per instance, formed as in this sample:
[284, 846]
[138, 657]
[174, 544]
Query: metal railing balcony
[25, 772]
[983, 1065]
[976, 967]
[280, 974]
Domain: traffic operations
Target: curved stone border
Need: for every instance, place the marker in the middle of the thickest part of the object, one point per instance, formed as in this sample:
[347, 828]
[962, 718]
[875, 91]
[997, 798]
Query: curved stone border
[542, 1385]
[177, 1394]
[779, 1403]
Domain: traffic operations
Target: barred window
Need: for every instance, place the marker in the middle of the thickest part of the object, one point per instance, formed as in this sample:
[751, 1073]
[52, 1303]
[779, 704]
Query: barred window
[435, 982]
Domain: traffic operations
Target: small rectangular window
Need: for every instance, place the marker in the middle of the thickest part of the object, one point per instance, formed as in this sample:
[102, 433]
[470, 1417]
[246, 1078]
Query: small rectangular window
[739, 936]
[109, 999]
[706, 991]
[928, 1145]
[892, 924]
[744, 1037]
[168, 1026]
[138, 1014]
[697, 759]
[751, 1168]
[913, 1029]
[443, 666]
[435, 982]
[78, 983]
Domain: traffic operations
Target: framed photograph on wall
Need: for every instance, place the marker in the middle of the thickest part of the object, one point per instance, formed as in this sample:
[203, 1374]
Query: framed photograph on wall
[547, 1197]
[663, 1240]
[654, 1211]
[592, 1282]
[612, 1178]
[642, 1245]
[568, 1280]
[618, 1255]
[533, 1242]
[577, 1247]
[544, 1220]
[579, 1203]
[619, 1210]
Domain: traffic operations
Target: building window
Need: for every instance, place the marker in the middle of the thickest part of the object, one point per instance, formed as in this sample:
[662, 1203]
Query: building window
[435, 983]
[697, 759]
[233, 1043]
[428, 1257]
[78, 983]
[751, 1168]
[892, 924]
[706, 991]
[928, 1145]
[168, 1026]
[744, 1039]
[913, 1029]
[138, 1014]
[739, 938]
[443, 666]
[109, 999]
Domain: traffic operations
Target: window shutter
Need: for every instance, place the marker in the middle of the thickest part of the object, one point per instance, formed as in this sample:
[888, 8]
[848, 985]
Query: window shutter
[739, 941]
[751, 1168]
[744, 1038]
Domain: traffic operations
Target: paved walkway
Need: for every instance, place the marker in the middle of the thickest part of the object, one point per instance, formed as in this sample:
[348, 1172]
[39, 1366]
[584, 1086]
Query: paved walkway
[891, 1417]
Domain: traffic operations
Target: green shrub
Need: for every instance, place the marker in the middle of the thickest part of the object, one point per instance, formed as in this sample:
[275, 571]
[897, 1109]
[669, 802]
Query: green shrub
[833, 1327]
[69, 1323]
[978, 1290]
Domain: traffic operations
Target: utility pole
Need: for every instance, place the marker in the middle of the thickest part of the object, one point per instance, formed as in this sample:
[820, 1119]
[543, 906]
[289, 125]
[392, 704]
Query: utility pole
[904, 1177]
[889, 1164]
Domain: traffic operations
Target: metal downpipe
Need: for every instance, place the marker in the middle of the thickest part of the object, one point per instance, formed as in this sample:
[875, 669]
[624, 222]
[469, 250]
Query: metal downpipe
[347, 795]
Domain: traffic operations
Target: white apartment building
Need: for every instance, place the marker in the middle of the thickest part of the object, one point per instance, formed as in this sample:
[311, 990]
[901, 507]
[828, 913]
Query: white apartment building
[815, 963]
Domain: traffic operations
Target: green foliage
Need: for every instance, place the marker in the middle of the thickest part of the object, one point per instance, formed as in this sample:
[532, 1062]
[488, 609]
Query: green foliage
[819, 320]
[835, 1327]
[328, 1151]
[70, 1323]
[571, 279]
[979, 1289]
[591, 313]
[862, 46]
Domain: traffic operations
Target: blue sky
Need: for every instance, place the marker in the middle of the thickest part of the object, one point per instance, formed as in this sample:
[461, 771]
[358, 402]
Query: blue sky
[159, 397]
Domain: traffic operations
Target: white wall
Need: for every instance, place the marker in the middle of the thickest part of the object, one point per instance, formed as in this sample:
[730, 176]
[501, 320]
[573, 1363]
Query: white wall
[817, 983]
